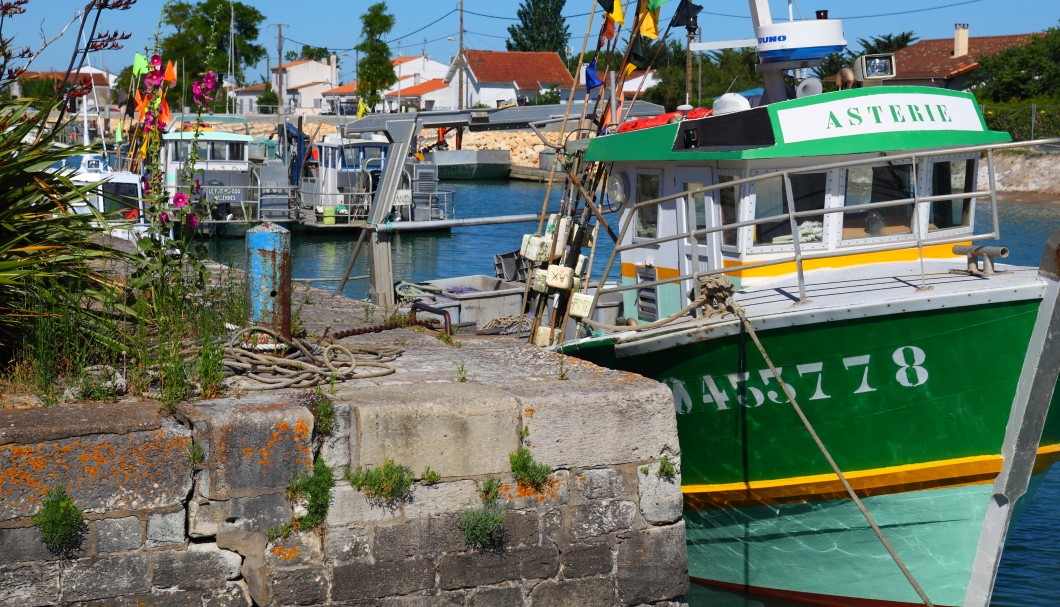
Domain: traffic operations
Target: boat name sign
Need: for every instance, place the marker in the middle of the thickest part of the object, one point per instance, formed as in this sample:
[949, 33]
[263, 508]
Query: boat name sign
[884, 113]
[756, 389]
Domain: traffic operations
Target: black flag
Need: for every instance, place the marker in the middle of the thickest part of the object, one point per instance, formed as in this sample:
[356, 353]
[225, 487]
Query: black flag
[686, 14]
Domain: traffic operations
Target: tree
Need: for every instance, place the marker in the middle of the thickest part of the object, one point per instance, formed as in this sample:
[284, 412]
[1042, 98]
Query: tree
[375, 71]
[268, 100]
[200, 41]
[313, 53]
[1022, 73]
[541, 27]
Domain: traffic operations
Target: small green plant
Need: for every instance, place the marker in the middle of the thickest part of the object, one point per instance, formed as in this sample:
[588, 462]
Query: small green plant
[196, 455]
[461, 373]
[397, 319]
[211, 370]
[489, 490]
[644, 470]
[483, 528]
[562, 373]
[524, 433]
[278, 533]
[369, 312]
[666, 468]
[315, 488]
[322, 409]
[447, 339]
[62, 525]
[527, 471]
[388, 484]
[430, 477]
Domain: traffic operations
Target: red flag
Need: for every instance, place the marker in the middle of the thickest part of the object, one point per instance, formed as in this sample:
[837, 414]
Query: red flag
[607, 32]
[171, 74]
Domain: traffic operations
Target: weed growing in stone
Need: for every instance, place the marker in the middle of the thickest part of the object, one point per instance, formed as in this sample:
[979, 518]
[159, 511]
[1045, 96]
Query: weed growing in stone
[430, 477]
[196, 455]
[447, 339]
[484, 527]
[61, 524]
[315, 488]
[369, 312]
[274, 533]
[461, 373]
[388, 484]
[666, 468]
[562, 373]
[322, 409]
[527, 471]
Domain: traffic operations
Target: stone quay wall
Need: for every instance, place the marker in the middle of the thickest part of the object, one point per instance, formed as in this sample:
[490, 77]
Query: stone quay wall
[605, 529]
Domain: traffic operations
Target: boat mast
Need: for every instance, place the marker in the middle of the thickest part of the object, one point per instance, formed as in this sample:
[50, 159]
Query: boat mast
[460, 59]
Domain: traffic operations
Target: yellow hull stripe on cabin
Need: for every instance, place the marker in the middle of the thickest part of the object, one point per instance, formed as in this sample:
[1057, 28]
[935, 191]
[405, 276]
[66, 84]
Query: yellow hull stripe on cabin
[879, 481]
[943, 251]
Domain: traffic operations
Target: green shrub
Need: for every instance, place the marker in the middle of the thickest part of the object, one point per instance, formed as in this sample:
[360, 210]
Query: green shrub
[483, 528]
[430, 477]
[489, 490]
[322, 409]
[61, 524]
[388, 484]
[195, 455]
[316, 488]
[666, 468]
[527, 471]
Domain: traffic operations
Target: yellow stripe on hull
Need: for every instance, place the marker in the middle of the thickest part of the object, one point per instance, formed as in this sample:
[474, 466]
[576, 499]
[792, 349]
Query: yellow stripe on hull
[843, 261]
[880, 481]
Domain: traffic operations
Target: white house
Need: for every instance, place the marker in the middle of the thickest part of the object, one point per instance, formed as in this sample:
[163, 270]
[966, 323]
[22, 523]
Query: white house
[421, 85]
[304, 83]
[496, 78]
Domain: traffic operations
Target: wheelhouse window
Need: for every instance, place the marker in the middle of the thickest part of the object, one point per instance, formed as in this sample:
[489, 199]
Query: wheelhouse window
[646, 222]
[218, 150]
[728, 198]
[951, 178]
[771, 200]
[178, 150]
[698, 200]
[119, 197]
[237, 151]
[878, 184]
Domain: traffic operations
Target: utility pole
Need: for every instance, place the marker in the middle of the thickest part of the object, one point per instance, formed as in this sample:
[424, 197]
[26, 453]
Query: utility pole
[279, 69]
[460, 58]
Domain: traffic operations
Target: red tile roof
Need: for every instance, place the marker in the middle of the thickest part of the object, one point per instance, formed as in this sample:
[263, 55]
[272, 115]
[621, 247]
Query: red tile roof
[529, 70]
[344, 89]
[254, 88]
[97, 78]
[290, 65]
[934, 58]
[422, 88]
[399, 60]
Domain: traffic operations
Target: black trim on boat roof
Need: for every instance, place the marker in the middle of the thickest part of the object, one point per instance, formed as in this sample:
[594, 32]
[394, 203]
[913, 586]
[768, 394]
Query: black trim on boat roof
[741, 130]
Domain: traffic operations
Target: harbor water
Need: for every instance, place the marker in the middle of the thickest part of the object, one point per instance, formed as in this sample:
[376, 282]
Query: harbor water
[1030, 569]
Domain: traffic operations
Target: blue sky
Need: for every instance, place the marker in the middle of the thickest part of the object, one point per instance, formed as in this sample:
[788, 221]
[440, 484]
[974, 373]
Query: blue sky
[422, 24]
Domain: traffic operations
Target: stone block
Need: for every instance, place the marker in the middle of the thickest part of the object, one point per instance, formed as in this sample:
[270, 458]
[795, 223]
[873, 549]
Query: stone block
[446, 599]
[346, 544]
[105, 577]
[353, 581]
[442, 498]
[335, 447]
[468, 570]
[599, 483]
[119, 534]
[208, 518]
[596, 421]
[459, 429]
[165, 529]
[200, 567]
[298, 549]
[101, 472]
[653, 565]
[23, 544]
[599, 518]
[300, 586]
[522, 529]
[589, 592]
[257, 444]
[496, 597]
[585, 560]
[555, 492]
[419, 537]
[661, 501]
[29, 585]
[349, 506]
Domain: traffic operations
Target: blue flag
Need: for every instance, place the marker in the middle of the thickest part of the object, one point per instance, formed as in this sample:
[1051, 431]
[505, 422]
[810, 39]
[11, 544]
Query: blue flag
[592, 80]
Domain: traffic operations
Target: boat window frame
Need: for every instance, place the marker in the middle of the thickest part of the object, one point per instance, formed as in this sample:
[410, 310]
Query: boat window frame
[915, 222]
[741, 194]
[751, 209]
[658, 174]
[927, 174]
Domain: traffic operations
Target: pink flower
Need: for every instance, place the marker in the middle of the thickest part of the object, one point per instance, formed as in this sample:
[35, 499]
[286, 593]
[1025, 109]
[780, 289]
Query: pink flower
[209, 81]
[193, 220]
[153, 79]
[180, 199]
[156, 61]
[164, 218]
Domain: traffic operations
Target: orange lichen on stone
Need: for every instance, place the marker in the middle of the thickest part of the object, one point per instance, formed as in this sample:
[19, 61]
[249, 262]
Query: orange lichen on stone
[548, 491]
[285, 553]
[530, 411]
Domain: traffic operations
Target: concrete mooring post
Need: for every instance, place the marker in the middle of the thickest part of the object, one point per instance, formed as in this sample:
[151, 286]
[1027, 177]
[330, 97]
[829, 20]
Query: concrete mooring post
[269, 277]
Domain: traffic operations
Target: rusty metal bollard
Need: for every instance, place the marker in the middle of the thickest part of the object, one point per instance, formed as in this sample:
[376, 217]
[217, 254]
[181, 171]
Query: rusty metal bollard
[269, 277]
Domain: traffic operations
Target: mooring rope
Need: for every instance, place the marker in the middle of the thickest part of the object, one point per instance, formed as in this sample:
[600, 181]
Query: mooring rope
[721, 294]
[510, 325]
[305, 364]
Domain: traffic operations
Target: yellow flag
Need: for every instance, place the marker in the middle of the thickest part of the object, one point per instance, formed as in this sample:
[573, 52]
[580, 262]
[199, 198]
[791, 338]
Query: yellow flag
[362, 109]
[649, 25]
[616, 13]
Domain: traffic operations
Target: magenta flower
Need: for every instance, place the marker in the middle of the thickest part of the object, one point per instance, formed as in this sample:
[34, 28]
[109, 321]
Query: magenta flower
[154, 78]
[156, 61]
[193, 220]
[180, 199]
[198, 187]
[164, 218]
[209, 81]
